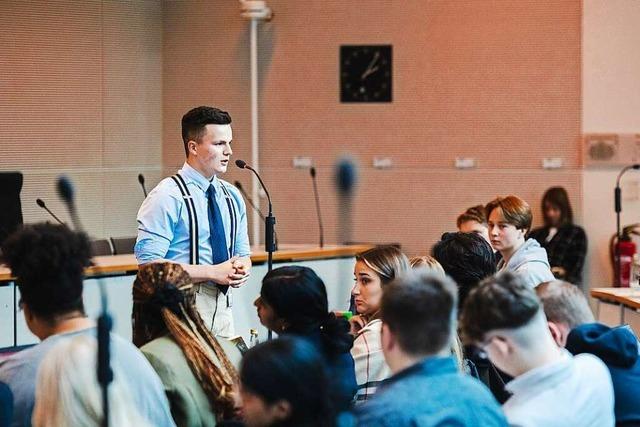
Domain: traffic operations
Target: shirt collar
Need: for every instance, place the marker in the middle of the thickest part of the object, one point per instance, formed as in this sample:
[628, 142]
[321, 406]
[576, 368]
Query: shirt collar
[542, 377]
[191, 175]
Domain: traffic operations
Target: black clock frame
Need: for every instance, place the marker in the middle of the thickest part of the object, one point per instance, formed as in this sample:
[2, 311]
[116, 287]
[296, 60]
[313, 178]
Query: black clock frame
[374, 87]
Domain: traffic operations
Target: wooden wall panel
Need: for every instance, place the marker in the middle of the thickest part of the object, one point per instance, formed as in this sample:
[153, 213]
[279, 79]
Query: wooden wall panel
[496, 80]
[80, 94]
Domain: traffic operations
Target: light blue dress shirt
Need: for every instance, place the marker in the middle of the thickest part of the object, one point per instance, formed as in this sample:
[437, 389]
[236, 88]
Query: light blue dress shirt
[163, 220]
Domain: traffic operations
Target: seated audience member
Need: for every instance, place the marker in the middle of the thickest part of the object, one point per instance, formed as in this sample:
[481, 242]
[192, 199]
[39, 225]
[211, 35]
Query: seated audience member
[509, 223]
[68, 393]
[48, 262]
[504, 317]
[474, 220]
[198, 377]
[565, 243]
[283, 382]
[427, 262]
[572, 326]
[6, 405]
[374, 270]
[293, 301]
[430, 264]
[418, 313]
[467, 258]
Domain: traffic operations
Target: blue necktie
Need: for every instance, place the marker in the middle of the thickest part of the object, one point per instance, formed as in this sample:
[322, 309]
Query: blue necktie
[216, 228]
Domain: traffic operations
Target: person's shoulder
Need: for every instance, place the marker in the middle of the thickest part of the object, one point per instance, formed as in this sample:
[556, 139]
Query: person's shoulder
[231, 189]
[591, 364]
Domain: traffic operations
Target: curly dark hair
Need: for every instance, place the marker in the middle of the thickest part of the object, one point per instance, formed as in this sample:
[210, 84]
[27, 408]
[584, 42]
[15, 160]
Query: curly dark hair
[195, 120]
[48, 261]
[467, 258]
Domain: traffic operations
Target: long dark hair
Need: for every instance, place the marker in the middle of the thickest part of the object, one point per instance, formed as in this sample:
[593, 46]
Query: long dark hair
[164, 302]
[558, 197]
[299, 296]
[289, 368]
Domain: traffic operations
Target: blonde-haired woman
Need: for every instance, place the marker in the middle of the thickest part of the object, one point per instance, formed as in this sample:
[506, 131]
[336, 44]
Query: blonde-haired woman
[68, 393]
[374, 269]
[199, 378]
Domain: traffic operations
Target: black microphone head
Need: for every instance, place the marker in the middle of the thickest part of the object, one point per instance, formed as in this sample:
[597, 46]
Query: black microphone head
[312, 171]
[141, 179]
[40, 202]
[65, 189]
[241, 164]
[636, 166]
[346, 175]
[238, 185]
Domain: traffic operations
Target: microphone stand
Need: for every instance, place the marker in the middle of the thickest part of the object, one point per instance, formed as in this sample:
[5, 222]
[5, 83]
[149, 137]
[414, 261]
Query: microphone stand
[269, 224]
[312, 172]
[104, 371]
[618, 209]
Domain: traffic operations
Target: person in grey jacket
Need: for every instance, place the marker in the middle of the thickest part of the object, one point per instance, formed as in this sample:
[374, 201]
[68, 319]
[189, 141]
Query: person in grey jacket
[509, 224]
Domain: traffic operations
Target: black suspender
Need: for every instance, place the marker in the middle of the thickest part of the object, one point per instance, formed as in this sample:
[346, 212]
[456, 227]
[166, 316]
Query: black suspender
[194, 250]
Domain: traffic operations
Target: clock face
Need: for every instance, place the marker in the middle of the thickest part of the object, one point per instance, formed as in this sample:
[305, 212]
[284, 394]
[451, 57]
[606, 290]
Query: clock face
[366, 73]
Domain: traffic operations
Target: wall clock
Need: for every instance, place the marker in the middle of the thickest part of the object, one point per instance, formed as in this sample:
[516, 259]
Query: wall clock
[366, 73]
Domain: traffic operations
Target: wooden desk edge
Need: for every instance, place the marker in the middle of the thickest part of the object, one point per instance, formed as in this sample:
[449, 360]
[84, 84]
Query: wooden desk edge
[113, 264]
[612, 295]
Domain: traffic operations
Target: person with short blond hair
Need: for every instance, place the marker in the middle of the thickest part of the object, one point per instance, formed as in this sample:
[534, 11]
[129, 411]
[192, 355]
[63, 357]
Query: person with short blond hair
[509, 221]
[565, 307]
[573, 327]
[427, 262]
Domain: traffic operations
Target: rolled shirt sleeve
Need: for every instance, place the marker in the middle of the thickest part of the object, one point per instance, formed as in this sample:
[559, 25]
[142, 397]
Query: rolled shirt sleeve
[157, 220]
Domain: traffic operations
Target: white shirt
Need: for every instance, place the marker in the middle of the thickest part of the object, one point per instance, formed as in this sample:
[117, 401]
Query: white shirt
[574, 391]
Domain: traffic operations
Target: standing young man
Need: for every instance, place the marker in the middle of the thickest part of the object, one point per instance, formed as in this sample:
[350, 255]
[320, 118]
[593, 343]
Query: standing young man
[199, 221]
[509, 221]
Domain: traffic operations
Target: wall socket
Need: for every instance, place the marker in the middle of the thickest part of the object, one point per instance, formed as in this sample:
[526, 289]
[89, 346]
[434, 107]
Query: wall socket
[300, 162]
[382, 162]
[465, 163]
[552, 163]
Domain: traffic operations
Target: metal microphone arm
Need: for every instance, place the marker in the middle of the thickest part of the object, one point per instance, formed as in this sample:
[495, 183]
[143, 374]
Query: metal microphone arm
[104, 372]
[269, 221]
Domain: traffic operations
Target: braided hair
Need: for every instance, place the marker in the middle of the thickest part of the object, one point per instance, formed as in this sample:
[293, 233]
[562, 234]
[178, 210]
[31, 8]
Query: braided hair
[164, 303]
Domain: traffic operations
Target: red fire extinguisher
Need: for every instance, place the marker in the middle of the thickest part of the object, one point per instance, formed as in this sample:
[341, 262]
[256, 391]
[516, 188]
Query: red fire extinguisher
[625, 249]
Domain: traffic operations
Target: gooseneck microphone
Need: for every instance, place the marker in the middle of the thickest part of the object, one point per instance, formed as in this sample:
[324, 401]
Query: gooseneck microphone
[40, 203]
[617, 193]
[312, 172]
[141, 181]
[105, 374]
[269, 221]
[255, 208]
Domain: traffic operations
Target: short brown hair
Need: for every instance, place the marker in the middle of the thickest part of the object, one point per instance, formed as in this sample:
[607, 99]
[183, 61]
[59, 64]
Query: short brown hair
[564, 303]
[515, 211]
[387, 261]
[420, 309]
[503, 301]
[474, 213]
